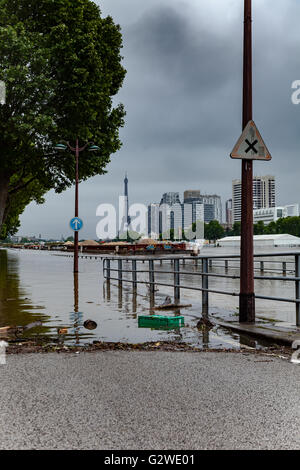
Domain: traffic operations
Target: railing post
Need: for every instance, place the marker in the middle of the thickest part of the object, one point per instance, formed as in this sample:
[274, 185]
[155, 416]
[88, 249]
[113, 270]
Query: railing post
[205, 286]
[284, 268]
[226, 266]
[210, 263]
[151, 276]
[262, 266]
[108, 269]
[120, 272]
[297, 274]
[134, 278]
[176, 280]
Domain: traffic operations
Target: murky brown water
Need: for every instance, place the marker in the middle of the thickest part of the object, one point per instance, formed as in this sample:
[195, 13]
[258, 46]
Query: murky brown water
[40, 286]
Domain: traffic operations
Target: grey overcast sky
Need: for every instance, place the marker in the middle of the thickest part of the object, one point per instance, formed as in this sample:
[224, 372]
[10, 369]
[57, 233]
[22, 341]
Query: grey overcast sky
[183, 94]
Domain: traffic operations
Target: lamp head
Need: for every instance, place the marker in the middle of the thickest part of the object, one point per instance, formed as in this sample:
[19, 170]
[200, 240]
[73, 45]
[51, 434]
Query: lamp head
[94, 148]
[60, 147]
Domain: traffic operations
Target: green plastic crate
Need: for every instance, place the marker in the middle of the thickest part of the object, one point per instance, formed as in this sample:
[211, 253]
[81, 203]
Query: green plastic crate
[160, 321]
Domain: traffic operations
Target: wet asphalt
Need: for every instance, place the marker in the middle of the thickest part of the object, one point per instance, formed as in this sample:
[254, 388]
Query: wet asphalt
[149, 400]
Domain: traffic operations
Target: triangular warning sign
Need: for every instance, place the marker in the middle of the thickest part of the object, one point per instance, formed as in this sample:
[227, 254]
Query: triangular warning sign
[250, 145]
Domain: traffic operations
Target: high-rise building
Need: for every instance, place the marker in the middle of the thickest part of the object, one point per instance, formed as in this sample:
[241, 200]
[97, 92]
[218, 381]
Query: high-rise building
[172, 214]
[188, 218]
[209, 200]
[263, 195]
[153, 221]
[191, 195]
[170, 199]
[209, 213]
[229, 212]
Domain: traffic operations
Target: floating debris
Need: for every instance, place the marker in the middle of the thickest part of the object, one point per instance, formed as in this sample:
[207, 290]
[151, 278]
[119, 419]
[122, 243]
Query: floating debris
[204, 322]
[168, 305]
[158, 321]
[90, 325]
[62, 331]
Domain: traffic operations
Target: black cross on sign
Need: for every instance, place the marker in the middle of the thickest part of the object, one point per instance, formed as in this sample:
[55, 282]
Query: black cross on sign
[251, 146]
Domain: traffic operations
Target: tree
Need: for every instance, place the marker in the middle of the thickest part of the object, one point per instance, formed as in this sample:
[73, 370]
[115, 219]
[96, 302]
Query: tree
[236, 229]
[271, 228]
[259, 228]
[213, 231]
[61, 64]
[290, 225]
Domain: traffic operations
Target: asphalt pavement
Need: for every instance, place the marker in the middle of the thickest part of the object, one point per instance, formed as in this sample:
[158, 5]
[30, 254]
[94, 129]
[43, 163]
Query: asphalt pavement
[149, 400]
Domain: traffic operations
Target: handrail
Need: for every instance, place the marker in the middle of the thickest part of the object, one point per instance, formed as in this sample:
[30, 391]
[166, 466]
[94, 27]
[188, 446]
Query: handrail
[199, 257]
[205, 275]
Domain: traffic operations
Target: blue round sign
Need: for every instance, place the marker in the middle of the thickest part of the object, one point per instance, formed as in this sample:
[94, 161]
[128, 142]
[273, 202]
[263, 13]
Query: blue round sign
[76, 224]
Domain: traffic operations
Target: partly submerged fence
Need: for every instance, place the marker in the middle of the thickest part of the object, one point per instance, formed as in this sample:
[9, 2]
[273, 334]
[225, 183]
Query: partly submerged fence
[146, 265]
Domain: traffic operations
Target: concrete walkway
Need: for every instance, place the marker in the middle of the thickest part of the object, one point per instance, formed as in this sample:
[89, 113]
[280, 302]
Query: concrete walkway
[149, 400]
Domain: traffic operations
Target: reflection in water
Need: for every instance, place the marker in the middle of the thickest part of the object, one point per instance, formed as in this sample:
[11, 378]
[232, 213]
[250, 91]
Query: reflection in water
[152, 300]
[120, 297]
[205, 336]
[134, 301]
[76, 316]
[15, 305]
[247, 341]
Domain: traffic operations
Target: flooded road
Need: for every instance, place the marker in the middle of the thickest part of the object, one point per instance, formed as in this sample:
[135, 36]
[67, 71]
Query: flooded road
[40, 286]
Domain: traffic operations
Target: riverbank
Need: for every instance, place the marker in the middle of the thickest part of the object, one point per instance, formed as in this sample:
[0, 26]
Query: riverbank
[33, 347]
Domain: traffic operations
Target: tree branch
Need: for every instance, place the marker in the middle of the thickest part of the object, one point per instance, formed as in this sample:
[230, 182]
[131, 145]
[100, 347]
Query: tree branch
[22, 186]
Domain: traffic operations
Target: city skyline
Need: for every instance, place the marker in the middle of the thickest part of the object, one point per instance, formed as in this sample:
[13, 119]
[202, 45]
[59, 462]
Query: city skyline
[193, 113]
[191, 196]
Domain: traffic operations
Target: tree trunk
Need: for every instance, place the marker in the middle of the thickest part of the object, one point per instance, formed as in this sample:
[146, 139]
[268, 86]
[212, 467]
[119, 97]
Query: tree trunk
[4, 184]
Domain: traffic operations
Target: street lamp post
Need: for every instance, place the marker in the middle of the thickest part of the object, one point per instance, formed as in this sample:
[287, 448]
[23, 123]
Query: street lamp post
[77, 150]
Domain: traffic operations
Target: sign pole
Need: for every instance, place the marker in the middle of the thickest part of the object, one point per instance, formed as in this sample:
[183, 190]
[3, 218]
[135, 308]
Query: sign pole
[247, 299]
[76, 236]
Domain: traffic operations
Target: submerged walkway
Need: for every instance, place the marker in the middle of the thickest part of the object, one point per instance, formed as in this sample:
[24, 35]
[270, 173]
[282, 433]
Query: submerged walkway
[149, 400]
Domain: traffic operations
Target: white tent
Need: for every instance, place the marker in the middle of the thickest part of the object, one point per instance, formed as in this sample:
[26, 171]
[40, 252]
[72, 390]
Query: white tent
[284, 240]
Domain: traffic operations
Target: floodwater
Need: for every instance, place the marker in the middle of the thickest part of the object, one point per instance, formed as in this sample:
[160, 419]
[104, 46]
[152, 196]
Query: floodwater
[39, 286]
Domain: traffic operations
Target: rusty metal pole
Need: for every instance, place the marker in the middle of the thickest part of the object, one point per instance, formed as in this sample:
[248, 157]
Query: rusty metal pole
[76, 236]
[247, 299]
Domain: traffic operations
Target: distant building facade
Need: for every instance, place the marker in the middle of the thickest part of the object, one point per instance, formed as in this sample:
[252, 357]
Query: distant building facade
[153, 221]
[229, 214]
[172, 214]
[263, 195]
[272, 214]
[212, 204]
[170, 199]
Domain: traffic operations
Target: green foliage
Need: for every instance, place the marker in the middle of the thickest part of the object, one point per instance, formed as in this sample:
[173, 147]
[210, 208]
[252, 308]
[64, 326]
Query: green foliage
[270, 229]
[62, 67]
[288, 225]
[213, 231]
[259, 228]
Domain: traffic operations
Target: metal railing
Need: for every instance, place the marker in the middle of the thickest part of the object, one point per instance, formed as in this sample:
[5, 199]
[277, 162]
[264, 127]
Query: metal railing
[207, 262]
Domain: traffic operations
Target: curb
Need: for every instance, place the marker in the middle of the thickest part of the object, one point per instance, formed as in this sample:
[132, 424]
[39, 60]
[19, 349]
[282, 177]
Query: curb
[278, 337]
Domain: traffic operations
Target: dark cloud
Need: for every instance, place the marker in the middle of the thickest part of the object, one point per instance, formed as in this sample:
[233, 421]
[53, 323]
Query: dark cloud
[183, 97]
